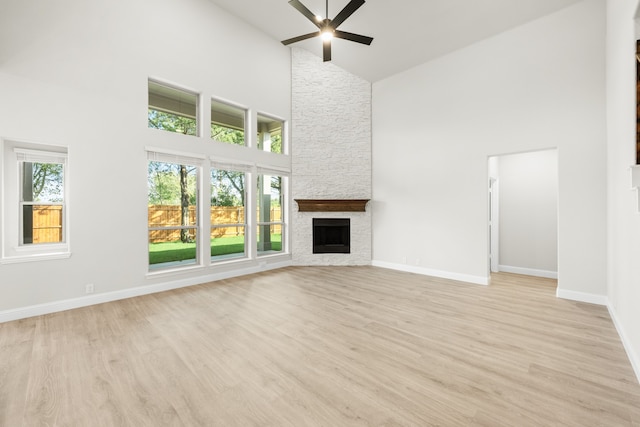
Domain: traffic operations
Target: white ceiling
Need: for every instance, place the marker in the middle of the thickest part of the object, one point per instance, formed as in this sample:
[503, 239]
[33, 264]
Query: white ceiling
[406, 32]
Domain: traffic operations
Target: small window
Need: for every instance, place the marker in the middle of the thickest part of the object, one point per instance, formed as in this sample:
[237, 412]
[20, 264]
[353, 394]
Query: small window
[270, 134]
[173, 211]
[228, 215]
[41, 201]
[36, 197]
[172, 110]
[270, 214]
[227, 123]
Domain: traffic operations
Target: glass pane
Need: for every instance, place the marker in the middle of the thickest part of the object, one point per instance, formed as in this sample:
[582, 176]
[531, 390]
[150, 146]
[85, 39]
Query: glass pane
[173, 187]
[269, 239]
[173, 110]
[172, 203]
[169, 252]
[42, 182]
[270, 134]
[269, 198]
[42, 224]
[269, 211]
[227, 214]
[227, 242]
[227, 123]
[227, 189]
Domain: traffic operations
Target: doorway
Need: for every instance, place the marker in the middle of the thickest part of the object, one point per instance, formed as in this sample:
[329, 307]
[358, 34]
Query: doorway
[523, 213]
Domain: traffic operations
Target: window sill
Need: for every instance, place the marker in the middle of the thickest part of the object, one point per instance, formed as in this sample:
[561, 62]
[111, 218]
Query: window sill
[173, 271]
[34, 258]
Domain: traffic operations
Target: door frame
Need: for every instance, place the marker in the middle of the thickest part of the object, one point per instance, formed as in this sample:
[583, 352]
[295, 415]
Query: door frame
[494, 225]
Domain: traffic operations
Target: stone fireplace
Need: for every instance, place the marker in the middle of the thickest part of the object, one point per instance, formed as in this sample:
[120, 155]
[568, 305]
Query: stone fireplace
[331, 157]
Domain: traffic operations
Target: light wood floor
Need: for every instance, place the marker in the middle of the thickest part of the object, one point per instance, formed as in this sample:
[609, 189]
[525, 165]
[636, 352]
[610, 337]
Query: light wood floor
[322, 346]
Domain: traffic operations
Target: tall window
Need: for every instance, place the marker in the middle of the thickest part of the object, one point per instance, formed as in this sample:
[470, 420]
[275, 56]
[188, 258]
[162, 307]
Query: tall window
[173, 210]
[172, 109]
[228, 123]
[228, 213]
[35, 202]
[270, 134]
[271, 230]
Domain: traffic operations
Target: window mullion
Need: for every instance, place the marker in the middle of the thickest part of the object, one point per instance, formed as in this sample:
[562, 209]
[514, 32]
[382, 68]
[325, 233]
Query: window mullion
[251, 215]
[204, 223]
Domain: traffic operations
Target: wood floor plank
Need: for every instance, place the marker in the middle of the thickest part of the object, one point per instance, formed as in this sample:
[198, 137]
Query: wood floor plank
[16, 344]
[322, 346]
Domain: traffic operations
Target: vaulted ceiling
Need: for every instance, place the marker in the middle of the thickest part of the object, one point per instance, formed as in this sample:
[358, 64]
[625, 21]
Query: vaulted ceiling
[406, 32]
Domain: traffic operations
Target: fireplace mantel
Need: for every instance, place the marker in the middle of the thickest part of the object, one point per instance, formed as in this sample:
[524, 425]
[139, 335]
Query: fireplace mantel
[331, 205]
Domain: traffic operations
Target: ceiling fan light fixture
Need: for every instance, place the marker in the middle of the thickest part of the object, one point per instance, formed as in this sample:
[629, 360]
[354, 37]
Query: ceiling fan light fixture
[328, 28]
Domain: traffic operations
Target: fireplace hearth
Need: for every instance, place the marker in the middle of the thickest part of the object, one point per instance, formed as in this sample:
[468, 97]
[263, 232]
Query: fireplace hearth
[331, 235]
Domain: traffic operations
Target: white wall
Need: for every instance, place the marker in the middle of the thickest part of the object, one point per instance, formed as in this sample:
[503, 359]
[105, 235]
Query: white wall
[331, 150]
[538, 86]
[75, 73]
[528, 198]
[624, 220]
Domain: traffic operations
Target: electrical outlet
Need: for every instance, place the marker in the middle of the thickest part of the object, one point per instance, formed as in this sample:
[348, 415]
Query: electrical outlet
[88, 288]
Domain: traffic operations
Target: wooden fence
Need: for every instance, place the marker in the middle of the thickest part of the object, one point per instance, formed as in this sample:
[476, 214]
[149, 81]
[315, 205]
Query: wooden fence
[170, 216]
[47, 224]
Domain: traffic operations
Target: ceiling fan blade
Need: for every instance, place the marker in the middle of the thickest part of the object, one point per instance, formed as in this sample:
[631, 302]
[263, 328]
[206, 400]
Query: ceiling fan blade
[326, 50]
[300, 38]
[353, 37]
[306, 12]
[348, 10]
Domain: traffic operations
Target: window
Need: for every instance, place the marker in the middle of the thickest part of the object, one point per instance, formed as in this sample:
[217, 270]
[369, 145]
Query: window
[172, 109]
[227, 123]
[270, 134]
[41, 200]
[270, 235]
[213, 206]
[228, 214]
[172, 210]
[34, 201]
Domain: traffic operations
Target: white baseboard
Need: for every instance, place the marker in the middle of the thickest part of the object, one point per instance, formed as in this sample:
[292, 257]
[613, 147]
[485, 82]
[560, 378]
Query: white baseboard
[631, 354]
[529, 271]
[582, 297]
[84, 301]
[477, 280]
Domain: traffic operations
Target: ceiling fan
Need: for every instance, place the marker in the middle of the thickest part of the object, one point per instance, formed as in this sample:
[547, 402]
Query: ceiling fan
[328, 28]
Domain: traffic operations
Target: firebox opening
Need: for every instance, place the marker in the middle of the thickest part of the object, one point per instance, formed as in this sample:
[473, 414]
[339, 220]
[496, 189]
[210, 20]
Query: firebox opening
[331, 235]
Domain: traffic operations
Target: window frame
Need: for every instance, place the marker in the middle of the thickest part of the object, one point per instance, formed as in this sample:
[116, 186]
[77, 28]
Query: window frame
[13, 155]
[178, 158]
[247, 171]
[284, 220]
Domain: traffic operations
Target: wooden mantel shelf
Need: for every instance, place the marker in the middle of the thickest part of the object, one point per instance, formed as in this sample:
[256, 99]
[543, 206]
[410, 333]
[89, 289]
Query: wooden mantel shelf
[331, 205]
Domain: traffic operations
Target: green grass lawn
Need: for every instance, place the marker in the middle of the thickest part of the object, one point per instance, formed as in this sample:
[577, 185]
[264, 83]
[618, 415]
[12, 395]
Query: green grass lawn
[177, 251]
